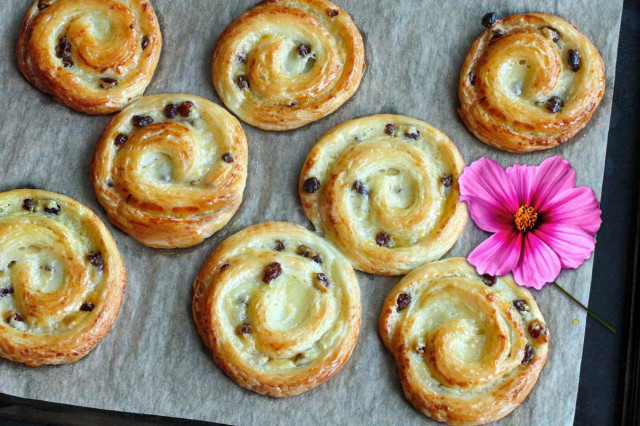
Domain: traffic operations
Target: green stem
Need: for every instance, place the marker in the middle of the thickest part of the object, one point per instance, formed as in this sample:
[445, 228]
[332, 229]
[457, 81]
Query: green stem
[590, 312]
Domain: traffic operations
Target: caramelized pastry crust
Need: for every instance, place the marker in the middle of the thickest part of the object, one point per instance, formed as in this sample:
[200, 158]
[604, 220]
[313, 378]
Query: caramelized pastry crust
[170, 169]
[469, 348]
[94, 56]
[384, 189]
[278, 307]
[530, 82]
[62, 279]
[287, 63]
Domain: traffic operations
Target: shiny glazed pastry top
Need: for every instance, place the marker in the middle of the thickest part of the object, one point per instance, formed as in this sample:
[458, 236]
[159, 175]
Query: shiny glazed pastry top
[94, 56]
[384, 189]
[469, 348]
[62, 279]
[278, 307]
[170, 169]
[287, 63]
[530, 82]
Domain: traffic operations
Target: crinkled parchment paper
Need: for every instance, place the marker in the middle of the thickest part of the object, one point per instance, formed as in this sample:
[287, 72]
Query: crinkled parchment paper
[153, 360]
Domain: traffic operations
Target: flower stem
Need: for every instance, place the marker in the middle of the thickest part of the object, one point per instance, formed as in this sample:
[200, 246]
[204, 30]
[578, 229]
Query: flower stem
[590, 312]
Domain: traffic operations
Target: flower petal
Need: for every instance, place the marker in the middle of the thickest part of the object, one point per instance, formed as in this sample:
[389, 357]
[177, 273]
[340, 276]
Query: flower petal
[524, 182]
[572, 245]
[486, 180]
[538, 263]
[553, 176]
[489, 217]
[576, 207]
[498, 254]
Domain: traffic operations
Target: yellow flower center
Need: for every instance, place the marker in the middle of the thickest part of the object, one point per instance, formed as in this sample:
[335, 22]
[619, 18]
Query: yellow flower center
[525, 218]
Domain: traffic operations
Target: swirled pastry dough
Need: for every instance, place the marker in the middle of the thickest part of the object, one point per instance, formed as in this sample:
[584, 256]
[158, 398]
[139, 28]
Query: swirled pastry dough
[170, 169]
[286, 63]
[62, 279]
[278, 307]
[384, 189]
[530, 82]
[94, 56]
[469, 348]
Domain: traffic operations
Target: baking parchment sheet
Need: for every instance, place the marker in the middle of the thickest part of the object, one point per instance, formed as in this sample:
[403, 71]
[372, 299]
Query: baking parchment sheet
[153, 360]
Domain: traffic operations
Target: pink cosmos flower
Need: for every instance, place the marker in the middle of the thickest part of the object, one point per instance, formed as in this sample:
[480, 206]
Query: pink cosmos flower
[540, 220]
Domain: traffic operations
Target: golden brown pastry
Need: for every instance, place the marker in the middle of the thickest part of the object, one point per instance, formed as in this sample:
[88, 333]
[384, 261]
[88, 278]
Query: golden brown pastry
[62, 279]
[278, 307]
[469, 348]
[170, 169]
[530, 82]
[384, 189]
[94, 56]
[287, 63]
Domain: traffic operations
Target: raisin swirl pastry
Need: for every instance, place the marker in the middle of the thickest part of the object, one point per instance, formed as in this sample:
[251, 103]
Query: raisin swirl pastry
[287, 63]
[278, 307]
[62, 279]
[170, 169]
[530, 82]
[469, 348]
[94, 56]
[384, 189]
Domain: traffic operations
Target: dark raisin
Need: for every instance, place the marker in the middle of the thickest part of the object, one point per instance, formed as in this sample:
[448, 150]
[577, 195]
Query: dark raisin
[554, 104]
[311, 185]
[145, 42]
[488, 280]
[171, 110]
[555, 35]
[63, 51]
[244, 329]
[305, 251]
[403, 301]
[304, 50]
[7, 291]
[185, 108]
[107, 83]
[537, 330]
[29, 205]
[53, 208]
[242, 58]
[317, 258]
[360, 188]
[271, 272]
[332, 13]
[521, 305]
[292, 104]
[472, 78]
[141, 120]
[227, 158]
[573, 57]
[421, 349]
[321, 282]
[446, 180]
[95, 259]
[242, 82]
[280, 245]
[120, 140]
[489, 19]
[414, 134]
[528, 354]
[225, 267]
[383, 239]
[48, 268]
[87, 307]
[11, 264]
[390, 129]
[14, 317]
[496, 34]
[43, 4]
